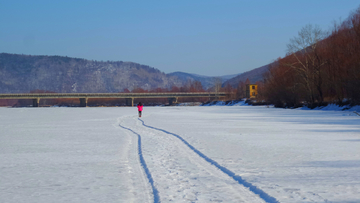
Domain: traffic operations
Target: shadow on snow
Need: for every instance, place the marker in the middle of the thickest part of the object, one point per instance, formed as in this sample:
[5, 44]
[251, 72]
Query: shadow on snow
[142, 161]
[267, 198]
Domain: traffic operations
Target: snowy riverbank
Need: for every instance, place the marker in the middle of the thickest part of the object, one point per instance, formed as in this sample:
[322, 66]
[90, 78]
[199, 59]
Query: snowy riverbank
[329, 107]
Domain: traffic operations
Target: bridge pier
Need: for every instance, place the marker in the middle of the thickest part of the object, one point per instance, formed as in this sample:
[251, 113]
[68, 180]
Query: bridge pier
[129, 101]
[83, 102]
[173, 100]
[36, 102]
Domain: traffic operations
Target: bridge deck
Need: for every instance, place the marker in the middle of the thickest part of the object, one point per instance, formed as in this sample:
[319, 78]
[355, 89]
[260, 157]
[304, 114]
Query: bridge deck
[110, 95]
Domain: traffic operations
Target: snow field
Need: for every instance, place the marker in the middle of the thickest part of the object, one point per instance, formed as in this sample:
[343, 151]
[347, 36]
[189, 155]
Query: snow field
[67, 155]
[292, 155]
[181, 175]
[93, 154]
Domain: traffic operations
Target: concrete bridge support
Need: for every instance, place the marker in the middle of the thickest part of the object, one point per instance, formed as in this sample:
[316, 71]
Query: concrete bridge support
[173, 100]
[83, 102]
[36, 102]
[129, 101]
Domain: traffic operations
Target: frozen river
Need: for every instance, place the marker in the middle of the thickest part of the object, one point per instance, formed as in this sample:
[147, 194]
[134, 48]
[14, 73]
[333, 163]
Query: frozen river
[179, 154]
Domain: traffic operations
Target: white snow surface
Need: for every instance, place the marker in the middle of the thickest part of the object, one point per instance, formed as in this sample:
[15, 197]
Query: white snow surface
[179, 154]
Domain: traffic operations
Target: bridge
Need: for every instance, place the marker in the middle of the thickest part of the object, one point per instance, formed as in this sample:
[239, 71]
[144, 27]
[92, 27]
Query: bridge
[129, 97]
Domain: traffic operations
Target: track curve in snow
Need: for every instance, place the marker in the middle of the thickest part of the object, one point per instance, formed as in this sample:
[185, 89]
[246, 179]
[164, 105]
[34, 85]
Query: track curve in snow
[143, 164]
[263, 195]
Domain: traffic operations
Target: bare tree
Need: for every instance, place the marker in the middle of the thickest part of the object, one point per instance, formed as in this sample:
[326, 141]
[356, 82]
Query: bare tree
[304, 48]
[217, 84]
[241, 90]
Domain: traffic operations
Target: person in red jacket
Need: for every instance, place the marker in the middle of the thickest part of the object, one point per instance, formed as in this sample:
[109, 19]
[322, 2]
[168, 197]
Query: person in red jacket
[140, 108]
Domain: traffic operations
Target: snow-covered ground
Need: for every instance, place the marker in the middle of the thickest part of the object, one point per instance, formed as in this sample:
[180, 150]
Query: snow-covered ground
[179, 154]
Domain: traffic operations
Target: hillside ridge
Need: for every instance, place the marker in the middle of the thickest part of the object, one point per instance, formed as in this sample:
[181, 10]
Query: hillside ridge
[24, 73]
[21, 73]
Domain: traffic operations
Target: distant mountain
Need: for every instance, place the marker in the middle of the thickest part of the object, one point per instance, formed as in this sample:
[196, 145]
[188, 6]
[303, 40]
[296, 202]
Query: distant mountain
[185, 77]
[206, 81]
[254, 76]
[228, 77]
[23, 73]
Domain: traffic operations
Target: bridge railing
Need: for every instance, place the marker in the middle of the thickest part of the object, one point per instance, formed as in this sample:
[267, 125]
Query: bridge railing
[111, 95]
[172, 96]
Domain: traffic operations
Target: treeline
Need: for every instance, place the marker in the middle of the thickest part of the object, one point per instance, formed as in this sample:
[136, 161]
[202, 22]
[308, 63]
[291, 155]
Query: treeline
[190, 86]
[318, 68]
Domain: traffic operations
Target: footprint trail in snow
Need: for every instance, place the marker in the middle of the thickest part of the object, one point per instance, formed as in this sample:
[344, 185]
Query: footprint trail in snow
[180, 174]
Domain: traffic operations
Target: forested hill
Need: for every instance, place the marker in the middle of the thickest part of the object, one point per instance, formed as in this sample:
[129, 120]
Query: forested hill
[254, 76]
[206, 81]
[24, 73]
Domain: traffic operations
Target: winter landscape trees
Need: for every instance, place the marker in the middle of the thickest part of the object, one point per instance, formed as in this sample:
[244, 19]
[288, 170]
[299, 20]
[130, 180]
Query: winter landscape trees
[318, 68]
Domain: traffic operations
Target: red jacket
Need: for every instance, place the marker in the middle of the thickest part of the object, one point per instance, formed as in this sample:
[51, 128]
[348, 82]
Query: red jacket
[140, 107]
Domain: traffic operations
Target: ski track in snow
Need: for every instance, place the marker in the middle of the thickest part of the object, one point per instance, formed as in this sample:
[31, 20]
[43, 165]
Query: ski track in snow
[145, 168]
[182, 175]
[254, 189]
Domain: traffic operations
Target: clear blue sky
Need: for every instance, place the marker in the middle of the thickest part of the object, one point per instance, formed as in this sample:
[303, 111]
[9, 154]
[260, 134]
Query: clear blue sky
[212, 37]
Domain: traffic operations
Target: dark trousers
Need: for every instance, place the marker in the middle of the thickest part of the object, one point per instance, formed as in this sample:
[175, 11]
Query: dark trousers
[139, 113]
